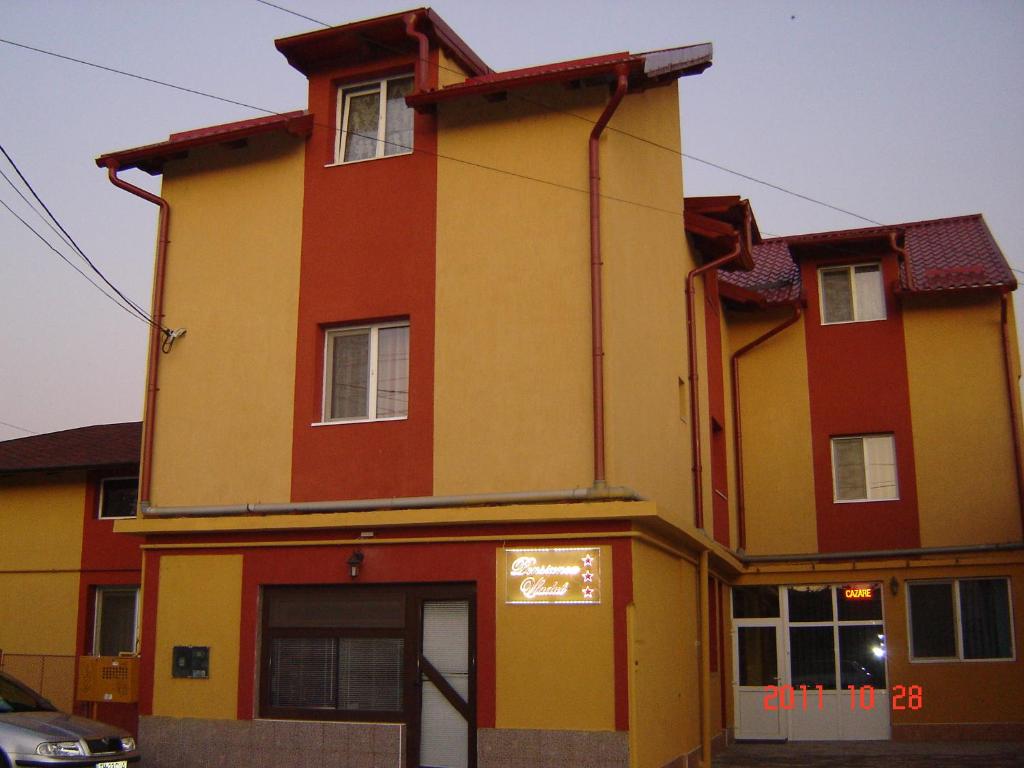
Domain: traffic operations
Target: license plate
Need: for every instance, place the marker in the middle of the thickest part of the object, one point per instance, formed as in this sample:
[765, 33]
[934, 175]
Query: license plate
[113, 764]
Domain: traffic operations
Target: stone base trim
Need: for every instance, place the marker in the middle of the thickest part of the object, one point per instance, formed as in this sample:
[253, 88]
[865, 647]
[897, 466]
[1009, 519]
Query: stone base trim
[691, 759]
[502, 747]
[959, 732]
[172, 742]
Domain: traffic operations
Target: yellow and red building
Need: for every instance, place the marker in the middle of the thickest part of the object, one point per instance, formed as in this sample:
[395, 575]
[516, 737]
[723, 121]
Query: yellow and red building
[69, 585]
[484, 446]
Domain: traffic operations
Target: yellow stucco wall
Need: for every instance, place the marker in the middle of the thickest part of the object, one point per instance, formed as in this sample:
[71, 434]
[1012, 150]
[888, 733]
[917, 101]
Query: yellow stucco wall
[555, 663]
[224, 410]
[778, 481]
[41, 533]
[963, 450]
[664, 660]
[646, 259]
[513, 345]
[41, 518]
[199, 603]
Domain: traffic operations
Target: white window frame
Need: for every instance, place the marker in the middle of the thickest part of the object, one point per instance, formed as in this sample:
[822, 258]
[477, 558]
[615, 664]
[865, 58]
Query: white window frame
[97, 620]
[345, 94]
[958, 632]
[102, 498]
[371, 386]
[850, 268]
[867, 468]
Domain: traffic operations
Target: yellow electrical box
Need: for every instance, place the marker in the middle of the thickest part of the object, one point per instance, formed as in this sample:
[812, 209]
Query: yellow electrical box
[108, 678]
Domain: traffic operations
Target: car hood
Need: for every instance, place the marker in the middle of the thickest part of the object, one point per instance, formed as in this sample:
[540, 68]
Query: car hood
[57, 726]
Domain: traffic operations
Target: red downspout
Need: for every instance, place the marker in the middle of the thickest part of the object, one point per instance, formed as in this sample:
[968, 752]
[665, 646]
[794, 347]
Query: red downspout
[596, 319]
[1010, 386]
[419, 72]
[737, 435]
[149, 410]
[691, 358]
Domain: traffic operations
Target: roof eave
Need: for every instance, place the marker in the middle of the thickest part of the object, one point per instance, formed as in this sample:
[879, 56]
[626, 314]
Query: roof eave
[152, 157]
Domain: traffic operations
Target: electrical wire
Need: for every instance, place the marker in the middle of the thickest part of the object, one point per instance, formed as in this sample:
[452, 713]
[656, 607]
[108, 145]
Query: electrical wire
[21, 429]
[69, 239]
[118, 297]
[68, 261]
[610, 128]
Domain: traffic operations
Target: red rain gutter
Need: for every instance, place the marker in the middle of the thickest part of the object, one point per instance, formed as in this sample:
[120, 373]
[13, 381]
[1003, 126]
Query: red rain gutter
[420, 71]
[737, 435]
[149, 410]
[691, 360]
[596, 318]
[1014, 416]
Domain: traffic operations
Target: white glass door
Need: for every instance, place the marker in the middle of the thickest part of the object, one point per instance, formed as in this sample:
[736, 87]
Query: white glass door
[445, 715]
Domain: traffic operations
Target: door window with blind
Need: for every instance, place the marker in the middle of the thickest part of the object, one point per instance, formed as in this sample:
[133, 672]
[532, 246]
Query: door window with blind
[377, 653]
[335, 653]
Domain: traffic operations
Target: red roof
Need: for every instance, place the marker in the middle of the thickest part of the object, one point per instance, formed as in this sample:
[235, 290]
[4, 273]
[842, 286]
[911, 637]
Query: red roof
[152, 157]
[645, 69]
[101, 445]
[380, 37]
[953, 254]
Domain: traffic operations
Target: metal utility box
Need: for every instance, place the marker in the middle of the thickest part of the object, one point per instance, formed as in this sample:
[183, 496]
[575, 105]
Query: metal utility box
[108, 678]
[191, 661]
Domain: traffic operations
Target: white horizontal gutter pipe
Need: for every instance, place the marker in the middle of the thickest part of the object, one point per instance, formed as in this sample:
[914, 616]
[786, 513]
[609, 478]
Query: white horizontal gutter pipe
[880, 553]
[405, 502]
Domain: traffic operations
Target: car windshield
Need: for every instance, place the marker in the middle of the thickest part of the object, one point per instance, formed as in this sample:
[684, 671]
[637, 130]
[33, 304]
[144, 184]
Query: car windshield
[15, 697]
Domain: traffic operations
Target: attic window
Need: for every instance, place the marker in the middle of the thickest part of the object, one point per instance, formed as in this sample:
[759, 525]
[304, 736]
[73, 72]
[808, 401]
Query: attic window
[374, 121]
[851, 294]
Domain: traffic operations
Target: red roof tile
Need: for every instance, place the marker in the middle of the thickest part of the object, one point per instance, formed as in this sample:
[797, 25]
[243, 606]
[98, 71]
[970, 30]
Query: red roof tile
[151, 157]
[96, 446]
[957, 253]
[646, 69]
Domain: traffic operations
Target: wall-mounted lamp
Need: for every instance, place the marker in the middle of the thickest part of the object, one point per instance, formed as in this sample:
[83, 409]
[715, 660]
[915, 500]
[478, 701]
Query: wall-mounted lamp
[894, 586]
[354, 563]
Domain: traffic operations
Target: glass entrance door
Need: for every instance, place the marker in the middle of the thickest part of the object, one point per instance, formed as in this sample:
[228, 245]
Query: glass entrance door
[757, 663]
[809, 662]
[446, 717]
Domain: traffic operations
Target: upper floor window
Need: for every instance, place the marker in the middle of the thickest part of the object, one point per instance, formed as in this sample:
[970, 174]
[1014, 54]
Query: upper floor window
[366, 372]
[118, 497]
[851, 294]
[374, 121]
[864, 468]
[960, 619]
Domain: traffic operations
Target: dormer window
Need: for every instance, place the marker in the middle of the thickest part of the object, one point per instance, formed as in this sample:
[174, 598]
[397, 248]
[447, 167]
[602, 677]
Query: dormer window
[851, 294]
[374, 121]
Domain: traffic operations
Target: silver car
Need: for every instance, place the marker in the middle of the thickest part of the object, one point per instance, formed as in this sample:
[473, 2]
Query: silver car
[33, 732]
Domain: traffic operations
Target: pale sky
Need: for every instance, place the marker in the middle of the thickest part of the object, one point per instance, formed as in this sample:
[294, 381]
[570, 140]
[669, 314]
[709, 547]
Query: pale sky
[897, 111]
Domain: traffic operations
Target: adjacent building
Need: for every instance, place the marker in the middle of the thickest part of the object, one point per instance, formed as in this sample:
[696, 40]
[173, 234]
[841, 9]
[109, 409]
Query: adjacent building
[69, 586]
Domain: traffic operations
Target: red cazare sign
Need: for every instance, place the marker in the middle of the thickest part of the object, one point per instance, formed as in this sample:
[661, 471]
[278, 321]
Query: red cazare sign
[858, 593]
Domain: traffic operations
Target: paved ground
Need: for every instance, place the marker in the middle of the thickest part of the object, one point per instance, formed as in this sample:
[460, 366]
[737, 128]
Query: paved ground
[873, 754]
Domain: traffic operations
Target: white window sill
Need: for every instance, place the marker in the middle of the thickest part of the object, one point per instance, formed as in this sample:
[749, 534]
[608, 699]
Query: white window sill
[340, 163]
[854, 322]
[340, 422]
[863, 501]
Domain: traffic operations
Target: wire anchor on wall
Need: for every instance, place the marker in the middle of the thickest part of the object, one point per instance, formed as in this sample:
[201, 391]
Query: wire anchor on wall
[170, 337]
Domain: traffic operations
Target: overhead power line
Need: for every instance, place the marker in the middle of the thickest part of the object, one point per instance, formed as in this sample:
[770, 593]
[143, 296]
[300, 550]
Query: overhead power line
[610, 128]
[264, 110]
[20, 429]
[68, 238]
[122, 301]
